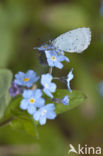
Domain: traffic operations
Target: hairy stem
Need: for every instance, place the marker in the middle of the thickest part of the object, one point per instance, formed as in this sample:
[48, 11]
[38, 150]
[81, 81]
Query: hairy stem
[50, 70]
[5, 122]
[56, 78]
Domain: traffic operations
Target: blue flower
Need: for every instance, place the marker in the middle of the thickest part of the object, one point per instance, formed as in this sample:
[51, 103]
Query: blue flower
[44, 47]
[101, 88]
[45, 112]
[26, 79]
[48, 86]
[54, 59]
[14, 90]
[32, 100]
[65, 100]
[101, 9]
[70, 76]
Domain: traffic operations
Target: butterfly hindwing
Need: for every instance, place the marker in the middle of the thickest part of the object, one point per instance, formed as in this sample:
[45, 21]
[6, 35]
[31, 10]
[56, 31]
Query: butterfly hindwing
[73, 41]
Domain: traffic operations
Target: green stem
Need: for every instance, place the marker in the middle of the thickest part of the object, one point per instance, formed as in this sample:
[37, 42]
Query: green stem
[56, 78]
[50, 70]
[5, 122]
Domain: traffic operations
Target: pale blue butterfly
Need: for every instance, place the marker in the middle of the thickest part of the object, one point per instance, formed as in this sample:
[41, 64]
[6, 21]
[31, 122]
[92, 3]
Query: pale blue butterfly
[76, 40]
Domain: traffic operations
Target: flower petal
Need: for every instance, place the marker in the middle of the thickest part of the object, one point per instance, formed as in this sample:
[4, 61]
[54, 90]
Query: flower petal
[47, 92]
[24, 104]
[42, 120]
[50, 63]
[50, 106]
[51, 115]
[37, 93]
[27, 94]
[52, 87]
[36, 115]
[40, 102]
[31, 109]
[59, 65]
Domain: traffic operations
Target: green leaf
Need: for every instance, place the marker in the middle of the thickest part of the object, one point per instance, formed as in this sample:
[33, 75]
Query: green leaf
[13, 108]
[76, 98]
[5, 82]
[22, 119]
[25, 125]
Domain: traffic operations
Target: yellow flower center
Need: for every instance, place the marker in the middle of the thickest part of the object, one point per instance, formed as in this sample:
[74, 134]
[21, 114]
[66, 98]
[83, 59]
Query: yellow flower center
[46, 85]
[53, 58]
[32, 100]
[26, 79]
[43, 112]
[45, 47]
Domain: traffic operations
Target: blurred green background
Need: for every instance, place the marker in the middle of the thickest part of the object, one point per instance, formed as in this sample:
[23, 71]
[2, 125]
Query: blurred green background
[25, 24]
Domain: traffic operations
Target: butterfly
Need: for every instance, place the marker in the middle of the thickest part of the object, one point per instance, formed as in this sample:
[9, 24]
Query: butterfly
[74, 41]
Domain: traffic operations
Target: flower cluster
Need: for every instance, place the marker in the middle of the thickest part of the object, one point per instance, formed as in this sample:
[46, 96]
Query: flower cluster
[54, 56]
[33, 97]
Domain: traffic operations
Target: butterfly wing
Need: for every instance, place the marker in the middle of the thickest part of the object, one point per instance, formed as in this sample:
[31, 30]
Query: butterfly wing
[76, 40]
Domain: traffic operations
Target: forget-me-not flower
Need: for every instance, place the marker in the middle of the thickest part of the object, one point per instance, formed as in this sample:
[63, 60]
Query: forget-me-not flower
[48, 86]
[54, 59]
[44, 113]
[14, 89]
[32, 100]
[101, 88]
[70, 76]
[26, 79]
[65, 100]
